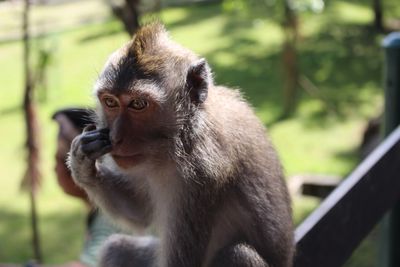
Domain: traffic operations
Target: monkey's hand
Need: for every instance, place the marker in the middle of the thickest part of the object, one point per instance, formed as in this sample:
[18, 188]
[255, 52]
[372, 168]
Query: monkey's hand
[94, 143]
[85, 149]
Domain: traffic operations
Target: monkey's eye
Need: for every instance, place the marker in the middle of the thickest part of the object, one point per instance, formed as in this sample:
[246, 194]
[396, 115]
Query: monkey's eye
[110, 102]
[138, 104]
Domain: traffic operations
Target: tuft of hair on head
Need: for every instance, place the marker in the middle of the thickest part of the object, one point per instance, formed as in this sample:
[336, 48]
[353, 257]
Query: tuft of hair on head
[148, 37]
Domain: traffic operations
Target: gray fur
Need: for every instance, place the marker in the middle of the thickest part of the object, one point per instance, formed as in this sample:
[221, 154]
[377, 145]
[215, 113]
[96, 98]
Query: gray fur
[138, 251]
[211, 182]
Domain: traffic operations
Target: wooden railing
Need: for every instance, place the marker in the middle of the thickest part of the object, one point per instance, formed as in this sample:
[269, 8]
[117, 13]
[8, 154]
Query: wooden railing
[332, 232]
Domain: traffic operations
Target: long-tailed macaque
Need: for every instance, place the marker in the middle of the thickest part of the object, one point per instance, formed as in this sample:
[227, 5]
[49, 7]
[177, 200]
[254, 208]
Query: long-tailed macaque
[173, 150]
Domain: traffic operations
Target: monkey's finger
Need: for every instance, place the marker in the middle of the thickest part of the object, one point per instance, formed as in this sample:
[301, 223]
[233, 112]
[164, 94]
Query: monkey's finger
[89, 127]
[92, 128]
[102, 130]
[95, 146]
[93, 136]
[105, 130]
[100, 152]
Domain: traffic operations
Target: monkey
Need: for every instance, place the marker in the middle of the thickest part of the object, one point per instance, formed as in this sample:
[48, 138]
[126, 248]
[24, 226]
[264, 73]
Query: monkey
[172, 150]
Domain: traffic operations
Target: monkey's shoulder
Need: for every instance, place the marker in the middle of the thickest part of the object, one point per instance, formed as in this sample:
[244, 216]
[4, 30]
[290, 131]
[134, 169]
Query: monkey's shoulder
[233, 114]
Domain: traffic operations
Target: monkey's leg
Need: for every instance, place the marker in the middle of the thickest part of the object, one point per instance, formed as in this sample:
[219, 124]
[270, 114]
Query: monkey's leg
[128, 251]
[238, 255]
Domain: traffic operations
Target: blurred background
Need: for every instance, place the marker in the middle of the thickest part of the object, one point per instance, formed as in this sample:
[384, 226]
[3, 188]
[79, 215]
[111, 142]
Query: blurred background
[312, 69]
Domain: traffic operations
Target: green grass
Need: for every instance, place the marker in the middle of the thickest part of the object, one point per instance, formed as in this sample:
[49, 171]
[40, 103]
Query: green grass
[338, 53]
[50, 18]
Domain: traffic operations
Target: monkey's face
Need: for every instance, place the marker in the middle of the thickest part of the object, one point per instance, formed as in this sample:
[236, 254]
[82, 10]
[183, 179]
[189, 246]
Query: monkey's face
[145, 93]
[138, 122]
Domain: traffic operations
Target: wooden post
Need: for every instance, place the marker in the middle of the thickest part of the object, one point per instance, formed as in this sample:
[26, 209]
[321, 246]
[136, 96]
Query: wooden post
[390, 243]
[290, 66]
[32, 174]
[378, 15]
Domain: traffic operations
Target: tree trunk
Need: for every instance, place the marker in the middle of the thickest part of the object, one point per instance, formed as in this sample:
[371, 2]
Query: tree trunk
[378, 15]
[128, 14]
[32, 174]
[290, 66]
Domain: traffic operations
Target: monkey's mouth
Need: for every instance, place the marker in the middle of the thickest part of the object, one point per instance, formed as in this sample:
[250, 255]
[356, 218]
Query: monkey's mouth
[126, 161]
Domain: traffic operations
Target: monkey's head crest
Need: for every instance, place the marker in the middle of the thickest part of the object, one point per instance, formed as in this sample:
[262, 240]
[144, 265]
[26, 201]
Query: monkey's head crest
[151, 55]
[151, 46]
[148, 37]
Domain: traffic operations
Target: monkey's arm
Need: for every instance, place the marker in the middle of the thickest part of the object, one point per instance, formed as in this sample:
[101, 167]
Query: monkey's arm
[107, 189]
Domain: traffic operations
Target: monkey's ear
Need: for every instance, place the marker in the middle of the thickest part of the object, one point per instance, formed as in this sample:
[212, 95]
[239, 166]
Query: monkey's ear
[198, 80]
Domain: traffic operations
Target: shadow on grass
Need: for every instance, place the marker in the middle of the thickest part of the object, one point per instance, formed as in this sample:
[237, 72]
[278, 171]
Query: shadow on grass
[111, 27]
[100, 34]
[62, 231]
[258, 77]
[14, 236]
[345, 62]
[197, 13]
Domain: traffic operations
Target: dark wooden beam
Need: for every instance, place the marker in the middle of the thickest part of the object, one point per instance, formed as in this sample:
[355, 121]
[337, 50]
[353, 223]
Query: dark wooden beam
[321, 187]
[331, 233]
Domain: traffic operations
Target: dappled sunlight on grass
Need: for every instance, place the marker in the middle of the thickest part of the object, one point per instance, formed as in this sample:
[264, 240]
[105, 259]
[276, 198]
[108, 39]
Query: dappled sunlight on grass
[348, 13]
[316, 151]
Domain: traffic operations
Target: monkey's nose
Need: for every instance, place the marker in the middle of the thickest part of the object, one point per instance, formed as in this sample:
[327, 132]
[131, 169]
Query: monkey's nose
[117, 140]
